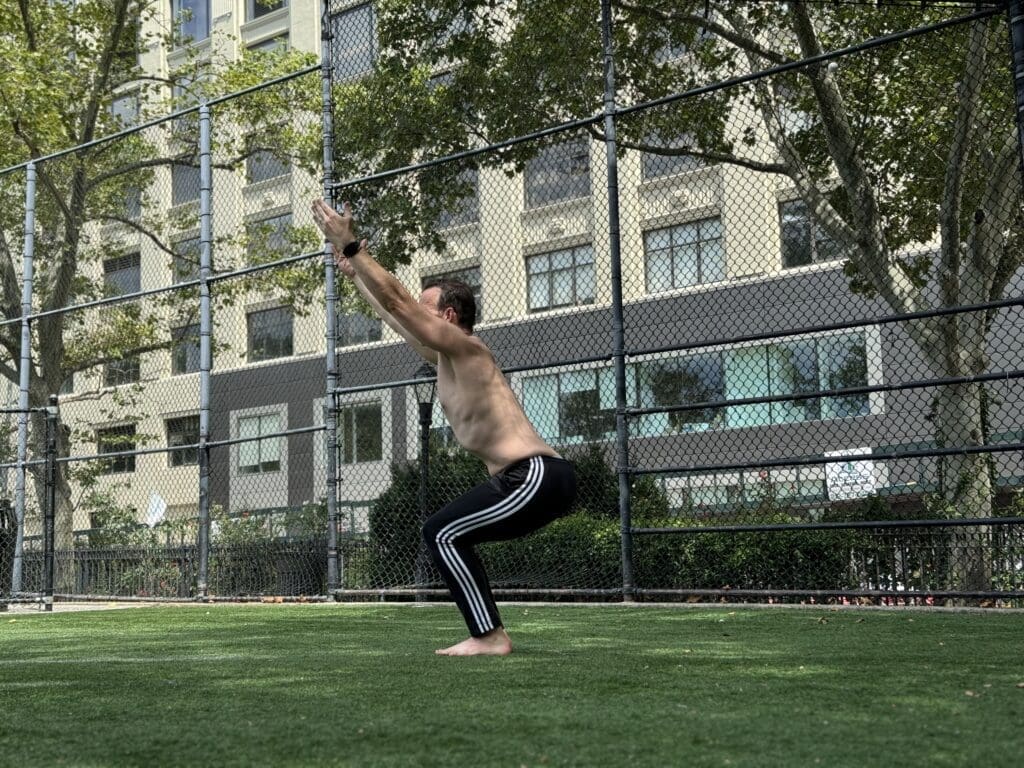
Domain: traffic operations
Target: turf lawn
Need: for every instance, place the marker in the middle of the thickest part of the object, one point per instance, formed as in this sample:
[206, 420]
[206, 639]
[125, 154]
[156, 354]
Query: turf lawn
[289, 685]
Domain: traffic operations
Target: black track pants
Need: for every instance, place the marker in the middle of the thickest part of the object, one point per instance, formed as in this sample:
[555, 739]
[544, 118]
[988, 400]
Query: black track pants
[518, 500]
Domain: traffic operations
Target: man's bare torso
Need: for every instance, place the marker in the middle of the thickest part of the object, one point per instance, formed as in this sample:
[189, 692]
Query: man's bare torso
[483, 412]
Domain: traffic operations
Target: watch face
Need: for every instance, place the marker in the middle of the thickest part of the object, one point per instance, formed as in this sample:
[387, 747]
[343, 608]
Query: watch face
[351, 249]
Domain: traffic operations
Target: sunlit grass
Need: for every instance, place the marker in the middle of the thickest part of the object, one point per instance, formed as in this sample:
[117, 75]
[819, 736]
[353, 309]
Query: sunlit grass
[586, 686]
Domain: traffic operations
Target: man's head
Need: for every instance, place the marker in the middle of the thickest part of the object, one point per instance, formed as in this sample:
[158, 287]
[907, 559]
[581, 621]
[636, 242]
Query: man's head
[451, 300]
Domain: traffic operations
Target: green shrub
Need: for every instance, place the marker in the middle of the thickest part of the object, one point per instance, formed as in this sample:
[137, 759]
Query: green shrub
[395, 519]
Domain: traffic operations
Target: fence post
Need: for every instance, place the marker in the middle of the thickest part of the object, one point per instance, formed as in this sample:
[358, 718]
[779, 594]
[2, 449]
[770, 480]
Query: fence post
[50, 510]
[25, 376]
[1015, 16]
[618, 323]
[205, 355]
[331, 305]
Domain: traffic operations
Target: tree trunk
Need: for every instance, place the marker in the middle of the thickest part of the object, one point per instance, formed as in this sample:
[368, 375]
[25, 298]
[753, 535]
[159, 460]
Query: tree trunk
[965, 484]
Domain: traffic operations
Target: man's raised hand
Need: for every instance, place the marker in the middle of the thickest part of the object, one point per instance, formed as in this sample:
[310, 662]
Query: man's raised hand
[337, 227]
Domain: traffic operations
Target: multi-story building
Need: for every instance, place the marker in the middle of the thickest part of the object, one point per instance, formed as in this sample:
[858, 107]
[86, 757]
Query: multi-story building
[710, 254]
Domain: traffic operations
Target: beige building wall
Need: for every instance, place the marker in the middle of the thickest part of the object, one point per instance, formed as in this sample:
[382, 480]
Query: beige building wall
[498, 243]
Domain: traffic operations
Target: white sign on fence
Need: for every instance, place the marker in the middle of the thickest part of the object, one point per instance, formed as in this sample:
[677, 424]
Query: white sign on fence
[156, 510]
[850, 479]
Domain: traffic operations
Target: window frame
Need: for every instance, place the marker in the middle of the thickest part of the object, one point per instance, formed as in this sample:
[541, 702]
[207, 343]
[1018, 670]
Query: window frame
[549, 176]
[255, 10]
[348, 451]
[549, 275]
[289, 344]
[674, 250]
[179, 344]
[813, 237]
[188, 455]
[118, 465]
[355, 55]
[260, 467]
[178, 24]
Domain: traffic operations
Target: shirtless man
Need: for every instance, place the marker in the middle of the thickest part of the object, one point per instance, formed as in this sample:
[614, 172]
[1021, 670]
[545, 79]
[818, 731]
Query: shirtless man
[530, 485]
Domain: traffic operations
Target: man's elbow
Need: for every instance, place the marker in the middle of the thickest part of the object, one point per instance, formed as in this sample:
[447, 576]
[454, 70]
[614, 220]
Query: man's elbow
[392, 302]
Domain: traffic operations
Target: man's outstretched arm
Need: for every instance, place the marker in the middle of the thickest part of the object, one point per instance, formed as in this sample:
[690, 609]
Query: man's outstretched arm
[426, 353]
[384, 290]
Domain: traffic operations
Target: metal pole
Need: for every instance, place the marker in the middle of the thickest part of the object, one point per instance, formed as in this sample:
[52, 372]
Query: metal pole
[25, 377]
[205, 354]
[49, 512]
[331, 307]
[618, 323]
[1015, 16]
[426, 417]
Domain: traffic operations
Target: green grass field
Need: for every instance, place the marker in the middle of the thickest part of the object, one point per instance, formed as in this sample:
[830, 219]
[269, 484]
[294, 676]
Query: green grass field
[288, 685]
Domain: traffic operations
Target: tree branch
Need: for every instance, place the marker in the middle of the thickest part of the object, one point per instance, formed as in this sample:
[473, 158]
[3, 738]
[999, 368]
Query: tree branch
[871, 255]
[968, 97]
[138, 228]
[26, 23]
[711, 157]
[744, 42]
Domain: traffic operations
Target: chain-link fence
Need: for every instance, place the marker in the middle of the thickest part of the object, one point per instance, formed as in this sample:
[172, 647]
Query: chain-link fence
[754, 268]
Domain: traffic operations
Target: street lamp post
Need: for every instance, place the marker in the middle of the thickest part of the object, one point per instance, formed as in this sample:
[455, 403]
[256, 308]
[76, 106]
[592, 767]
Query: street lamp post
[425, 388]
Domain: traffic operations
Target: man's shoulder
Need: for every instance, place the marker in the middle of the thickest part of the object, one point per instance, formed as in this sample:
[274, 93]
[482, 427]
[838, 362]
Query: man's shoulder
[474, 352]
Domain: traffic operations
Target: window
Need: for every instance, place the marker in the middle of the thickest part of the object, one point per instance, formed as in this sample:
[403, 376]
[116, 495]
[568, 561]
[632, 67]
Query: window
[467, 209]
[183, 431]
[580, 405]
[191, 20]
[801, 366]
[269, 334]
[185, 351]
[123, 371]
[256, 456]
[843, 363]
[654, 166]
[268, 239]
[726, 492]
[185, 264]
[263, 164]
[680, 381]
[558, 172]
[354, 46]
[360, 433]
[132, 203]
[115, 440]
[357, 328]
[685, 255]
[471, 277]
[256, 8]
[572, 406]
[560, 278]
[125, 109]
[127, 54]
[803, 239]
[185, 183]
[122, 275]
[680, 41]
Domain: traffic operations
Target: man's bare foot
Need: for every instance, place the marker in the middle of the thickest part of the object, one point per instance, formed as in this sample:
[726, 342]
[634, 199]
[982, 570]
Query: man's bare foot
[494, 643]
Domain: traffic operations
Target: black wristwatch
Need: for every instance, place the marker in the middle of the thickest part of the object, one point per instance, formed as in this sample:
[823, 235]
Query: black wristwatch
[351, 249]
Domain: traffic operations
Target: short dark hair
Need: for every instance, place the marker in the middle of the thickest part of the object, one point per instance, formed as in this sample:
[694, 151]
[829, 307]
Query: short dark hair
[457, 295]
